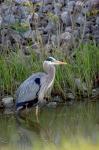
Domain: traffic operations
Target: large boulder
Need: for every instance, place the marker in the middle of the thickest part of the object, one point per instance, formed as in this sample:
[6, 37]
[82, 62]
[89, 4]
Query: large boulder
[8, 102]
[65, 16]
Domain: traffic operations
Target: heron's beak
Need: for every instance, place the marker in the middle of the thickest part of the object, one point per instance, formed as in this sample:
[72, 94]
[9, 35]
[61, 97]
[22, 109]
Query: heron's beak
[60, 63]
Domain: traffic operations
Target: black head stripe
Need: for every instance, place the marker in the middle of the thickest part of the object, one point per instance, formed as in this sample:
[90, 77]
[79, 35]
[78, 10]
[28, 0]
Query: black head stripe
[50, 59]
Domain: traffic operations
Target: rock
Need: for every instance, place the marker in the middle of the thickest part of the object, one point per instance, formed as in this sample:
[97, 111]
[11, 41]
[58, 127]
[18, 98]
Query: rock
[80, 20]
[0, 21]
[70, 96]
[66, 36]
[76, 33]
[47, 1]
[68, 29]
[61, 2]
[95, 33]
[8, 111]
[95, 3]
[1, 1]
[79, 4]
[35, 46]
[65, 16]
[80, 85]
[21, 1]
[97, 20]
[57, 99]
[70, 6]
[66, 42]
[57, 8]
[30, 35]
[26, 50]
[1, 105]
[35, 1]
[48, 47]
[47, 8]
[10, 38]
[50, 27]
[95, 93]
[8, 19]
[21, 13]
[52, 104]
[86, 7]
[8, 102]
[54, 40]
[45, 38]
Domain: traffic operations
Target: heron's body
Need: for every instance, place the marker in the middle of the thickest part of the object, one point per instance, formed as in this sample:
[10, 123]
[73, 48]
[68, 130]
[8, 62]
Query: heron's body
[33, 90]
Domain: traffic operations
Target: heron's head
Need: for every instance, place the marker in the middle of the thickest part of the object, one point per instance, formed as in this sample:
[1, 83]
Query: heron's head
[53, 61]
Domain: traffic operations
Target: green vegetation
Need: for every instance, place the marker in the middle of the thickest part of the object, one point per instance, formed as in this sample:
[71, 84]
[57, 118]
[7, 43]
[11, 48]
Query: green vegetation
[84, 66]
[16, 67]
[23, 27]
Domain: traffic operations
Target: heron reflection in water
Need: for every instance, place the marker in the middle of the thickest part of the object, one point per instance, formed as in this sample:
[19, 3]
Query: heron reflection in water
[33, 90]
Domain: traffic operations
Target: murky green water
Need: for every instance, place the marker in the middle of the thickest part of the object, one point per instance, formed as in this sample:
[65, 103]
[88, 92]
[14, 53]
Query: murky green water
[81, 120]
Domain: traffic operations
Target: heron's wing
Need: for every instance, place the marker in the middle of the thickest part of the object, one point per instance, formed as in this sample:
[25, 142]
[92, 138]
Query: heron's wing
[29, 89]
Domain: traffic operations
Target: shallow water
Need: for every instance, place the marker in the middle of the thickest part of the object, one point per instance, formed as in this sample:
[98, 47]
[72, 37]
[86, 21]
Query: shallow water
[79, 121]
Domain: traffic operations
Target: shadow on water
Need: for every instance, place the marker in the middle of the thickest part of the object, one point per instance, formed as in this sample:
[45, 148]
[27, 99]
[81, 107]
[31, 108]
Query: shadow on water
[69, 122]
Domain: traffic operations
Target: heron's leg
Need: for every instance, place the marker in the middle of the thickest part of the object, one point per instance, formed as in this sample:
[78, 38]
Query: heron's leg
[37, 111]
[26, 110]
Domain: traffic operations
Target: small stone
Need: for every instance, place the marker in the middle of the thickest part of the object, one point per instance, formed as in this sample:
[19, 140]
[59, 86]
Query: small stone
[79, 3]
[95, 3]
[8, 101]
[80, 20]
[47, 1]
[65, 16]
[54, 40]
[21, 1]
[70, 6]
[48, 47]
[30, 34]
[0, 21]
[50, 27]
[61, 2]
[8, 111]
[66, 36]
[57, 9]
[57, 99]
[97, 20]
[52, 104]
[95, 92]
[9, 19]
[69, 29]
[70, 96]
[86, 7]
[1, 105]
[80, 85]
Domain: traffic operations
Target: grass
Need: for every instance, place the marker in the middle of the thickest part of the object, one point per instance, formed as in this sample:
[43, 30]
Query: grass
[15, 68]
[84, 66]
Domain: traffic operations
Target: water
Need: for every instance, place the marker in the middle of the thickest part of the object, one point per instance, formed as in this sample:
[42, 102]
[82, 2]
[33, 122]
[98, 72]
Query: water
[63, 123]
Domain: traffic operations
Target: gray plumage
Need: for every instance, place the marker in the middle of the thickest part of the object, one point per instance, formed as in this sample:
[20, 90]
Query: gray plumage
[29, 89]
[33, 89]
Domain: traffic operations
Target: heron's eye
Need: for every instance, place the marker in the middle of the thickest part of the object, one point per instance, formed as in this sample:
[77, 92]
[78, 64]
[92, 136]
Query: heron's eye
[50, 59]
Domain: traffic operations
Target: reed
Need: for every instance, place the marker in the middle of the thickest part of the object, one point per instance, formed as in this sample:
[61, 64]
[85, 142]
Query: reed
[16, 67]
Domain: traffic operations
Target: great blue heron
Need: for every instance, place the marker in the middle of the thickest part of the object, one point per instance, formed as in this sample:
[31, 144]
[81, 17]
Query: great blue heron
[32, 91]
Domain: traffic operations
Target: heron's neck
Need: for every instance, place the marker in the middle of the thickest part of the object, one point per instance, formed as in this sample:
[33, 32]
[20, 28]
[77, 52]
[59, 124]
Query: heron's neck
[50, 70]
